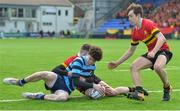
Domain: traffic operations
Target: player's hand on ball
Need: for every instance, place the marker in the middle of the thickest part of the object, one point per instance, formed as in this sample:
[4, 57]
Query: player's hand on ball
[94, 94]
[99, 88]
[112, 65]
[109, 91]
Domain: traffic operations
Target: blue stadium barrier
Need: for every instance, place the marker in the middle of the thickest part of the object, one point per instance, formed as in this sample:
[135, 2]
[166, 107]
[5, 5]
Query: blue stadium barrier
[119, 24]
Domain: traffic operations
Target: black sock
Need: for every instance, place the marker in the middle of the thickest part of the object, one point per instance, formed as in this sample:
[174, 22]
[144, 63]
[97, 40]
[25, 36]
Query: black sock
[131, 89]
[139, 88]
[142, 90]
[42, 97]
[22, 82]
[168, 87]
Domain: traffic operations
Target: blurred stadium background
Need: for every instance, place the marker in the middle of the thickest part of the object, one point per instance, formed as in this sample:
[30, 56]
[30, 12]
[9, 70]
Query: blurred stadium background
[52, 21]
[82, 18]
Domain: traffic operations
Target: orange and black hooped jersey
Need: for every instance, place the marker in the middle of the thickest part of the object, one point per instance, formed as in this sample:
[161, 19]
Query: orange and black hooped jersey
[147, 34]
[69, 60]
[61, 69]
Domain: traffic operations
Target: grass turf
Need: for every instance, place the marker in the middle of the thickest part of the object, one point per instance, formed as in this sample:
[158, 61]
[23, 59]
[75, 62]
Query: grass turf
[21, 57]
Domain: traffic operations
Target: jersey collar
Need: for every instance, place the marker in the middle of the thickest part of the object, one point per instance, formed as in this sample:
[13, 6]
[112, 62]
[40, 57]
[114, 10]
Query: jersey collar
[85, 59]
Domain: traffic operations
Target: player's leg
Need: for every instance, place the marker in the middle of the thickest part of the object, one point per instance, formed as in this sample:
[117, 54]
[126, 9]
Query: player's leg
[139, 64]
[122, 90]
[47, 76]
[109, 91]
[57, 87]
[159, 69]
[125, 90]
[59, 95]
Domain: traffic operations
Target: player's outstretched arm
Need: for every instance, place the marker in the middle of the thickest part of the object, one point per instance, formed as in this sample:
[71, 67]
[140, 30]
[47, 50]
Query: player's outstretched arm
[129, 53]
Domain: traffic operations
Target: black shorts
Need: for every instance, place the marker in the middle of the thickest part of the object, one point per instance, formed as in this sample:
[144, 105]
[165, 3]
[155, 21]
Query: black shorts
[166, 53]
[58, 85]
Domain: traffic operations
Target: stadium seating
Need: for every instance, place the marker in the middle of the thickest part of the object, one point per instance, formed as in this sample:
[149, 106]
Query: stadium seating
[119, 24]
[155, 3]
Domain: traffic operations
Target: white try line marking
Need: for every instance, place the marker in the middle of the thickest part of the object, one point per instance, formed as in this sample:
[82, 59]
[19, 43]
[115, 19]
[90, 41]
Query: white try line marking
[17, 100]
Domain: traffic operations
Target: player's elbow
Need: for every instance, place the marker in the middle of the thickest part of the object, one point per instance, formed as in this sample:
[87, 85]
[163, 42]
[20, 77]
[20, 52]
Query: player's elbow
[131, 50]
[130, 53]
[161, 37]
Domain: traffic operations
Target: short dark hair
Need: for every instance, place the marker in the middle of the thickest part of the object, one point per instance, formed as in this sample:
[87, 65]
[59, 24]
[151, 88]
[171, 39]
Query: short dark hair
[86, 47]
[137, 8]
[96, 53]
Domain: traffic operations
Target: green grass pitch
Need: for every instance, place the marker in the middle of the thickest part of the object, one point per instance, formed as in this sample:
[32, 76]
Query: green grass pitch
[21, 57]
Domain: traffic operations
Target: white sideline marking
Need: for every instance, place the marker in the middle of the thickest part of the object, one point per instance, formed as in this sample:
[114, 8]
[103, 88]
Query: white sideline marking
[16, 100]
[168, 69]
[158, 91]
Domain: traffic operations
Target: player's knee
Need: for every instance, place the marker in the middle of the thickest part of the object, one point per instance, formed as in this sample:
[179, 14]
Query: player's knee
[157, 67]
[47, 75]
[133, 67]
[61, 98]
[42, 73]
